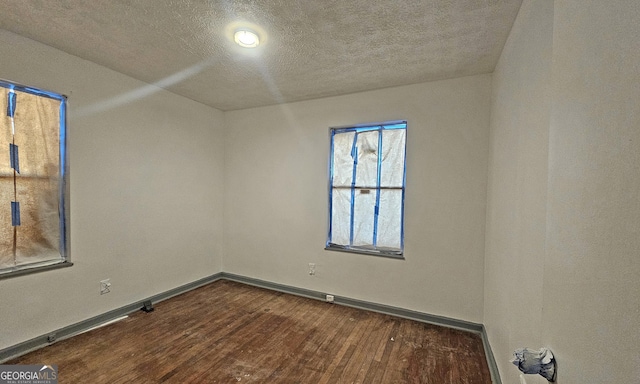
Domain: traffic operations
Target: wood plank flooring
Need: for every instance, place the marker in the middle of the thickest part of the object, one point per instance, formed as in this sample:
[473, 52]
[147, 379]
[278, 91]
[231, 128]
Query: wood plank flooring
[228, 332]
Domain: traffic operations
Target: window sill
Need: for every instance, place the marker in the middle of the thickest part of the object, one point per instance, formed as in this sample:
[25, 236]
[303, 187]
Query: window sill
[390, 255]
[28, 271]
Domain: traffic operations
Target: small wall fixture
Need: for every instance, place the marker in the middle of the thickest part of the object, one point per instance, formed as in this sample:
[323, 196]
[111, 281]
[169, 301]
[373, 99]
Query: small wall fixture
[540, 362]
[245, 38]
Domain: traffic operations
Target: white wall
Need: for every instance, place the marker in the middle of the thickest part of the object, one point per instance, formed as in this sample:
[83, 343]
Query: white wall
[592, 264]
[580, 262]
[517, 187]
[562, 210]
[276, 196]
[146, 193]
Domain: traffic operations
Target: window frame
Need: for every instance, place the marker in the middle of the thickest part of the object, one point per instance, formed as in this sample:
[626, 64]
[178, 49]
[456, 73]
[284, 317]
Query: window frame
[63, 188]
[359, 128]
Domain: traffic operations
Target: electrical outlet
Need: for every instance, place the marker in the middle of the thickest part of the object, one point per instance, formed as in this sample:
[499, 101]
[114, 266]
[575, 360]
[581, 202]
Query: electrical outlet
[105, 286]
[329, 298]
[312, 269]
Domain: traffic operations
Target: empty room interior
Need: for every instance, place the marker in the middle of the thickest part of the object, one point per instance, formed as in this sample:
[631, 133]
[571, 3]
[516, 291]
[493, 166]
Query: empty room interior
[193, 160]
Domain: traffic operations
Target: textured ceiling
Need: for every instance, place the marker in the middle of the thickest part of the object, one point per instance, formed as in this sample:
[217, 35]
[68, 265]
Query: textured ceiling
[309, 49]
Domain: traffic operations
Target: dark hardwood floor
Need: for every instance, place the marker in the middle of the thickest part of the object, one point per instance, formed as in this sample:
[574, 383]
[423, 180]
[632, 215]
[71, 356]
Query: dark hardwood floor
[228, 332]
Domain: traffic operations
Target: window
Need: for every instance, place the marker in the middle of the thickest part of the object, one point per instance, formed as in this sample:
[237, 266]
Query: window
[366, 189]
[32, 180]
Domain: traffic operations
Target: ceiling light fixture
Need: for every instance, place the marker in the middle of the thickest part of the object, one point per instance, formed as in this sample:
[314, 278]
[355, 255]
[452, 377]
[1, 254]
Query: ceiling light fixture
[245, 38]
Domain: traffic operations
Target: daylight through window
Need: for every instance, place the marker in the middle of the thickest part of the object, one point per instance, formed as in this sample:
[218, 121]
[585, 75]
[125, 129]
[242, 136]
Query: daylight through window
[32, 188]
[367, 186]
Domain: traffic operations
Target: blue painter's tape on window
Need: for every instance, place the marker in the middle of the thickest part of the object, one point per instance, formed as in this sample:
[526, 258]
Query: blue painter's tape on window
[378, 180]
[354, 155]
[385, 206]
[11, 104]
[354, 149]
[15, 162]
[15, 213]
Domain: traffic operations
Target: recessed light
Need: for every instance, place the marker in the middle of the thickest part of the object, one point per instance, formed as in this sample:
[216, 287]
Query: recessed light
[245, 38]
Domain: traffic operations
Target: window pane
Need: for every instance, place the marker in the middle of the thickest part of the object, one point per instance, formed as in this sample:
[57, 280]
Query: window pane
[365, 201]
[340, 216]
[36, 184]
[390, 219]
[393, 144]
[367, 170]
[379, 152]
[342, 160]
